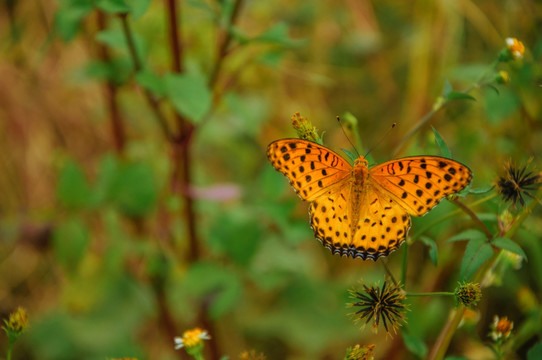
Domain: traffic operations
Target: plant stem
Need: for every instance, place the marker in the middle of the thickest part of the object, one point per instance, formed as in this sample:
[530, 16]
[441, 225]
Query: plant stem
[181, 177]
[441, 345]
[474, 217]
[151, 99]
[438, 293]
[117, 127]
[387, 269]
[10, 348]
[404, 264]
[224, 40]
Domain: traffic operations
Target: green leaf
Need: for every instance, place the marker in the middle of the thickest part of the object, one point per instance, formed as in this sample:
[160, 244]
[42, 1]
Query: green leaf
[72, 188]
[444, 150]
[226, 10]
[107, 173]
[189, 94]
[478, 251]
[215, 285]
[134, 190]
[272, 58]
[501, 106]
[481, 190]
[152, 82]
[535, 353]
[414, 344]
[494, 88]
[510, 245]
[68, 18]
[468, 235]
[455, 358]
[447, 88]
[457, 95]
[350, 154]
[433, 254]
[113, 6]
[115, 39]
[237, 235]
[138, 7]
[118, 70]
[278, 34]
[70, 241]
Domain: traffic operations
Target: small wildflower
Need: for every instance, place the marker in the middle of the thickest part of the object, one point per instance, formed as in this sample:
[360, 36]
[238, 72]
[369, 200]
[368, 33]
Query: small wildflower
[501, 328]
[16, 324]
[502, 77]
[384, 304]
[517, 182]
[360, 352]
[468, 294]
[251, 355]
[192, 341]
[515, 47]
[304, 129]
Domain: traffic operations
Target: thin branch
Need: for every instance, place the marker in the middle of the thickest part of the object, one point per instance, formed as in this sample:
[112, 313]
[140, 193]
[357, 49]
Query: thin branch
[117, 127]
[175, 36]
[474, 217]
[388, 272]
[181, 176]
[151, 99]
[224, 40]
[441, 345]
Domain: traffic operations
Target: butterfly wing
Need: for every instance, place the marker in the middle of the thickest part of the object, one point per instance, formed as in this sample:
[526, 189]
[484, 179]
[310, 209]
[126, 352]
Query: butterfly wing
[382, 225]
[418, 183]
[330, 220]
[311, 168]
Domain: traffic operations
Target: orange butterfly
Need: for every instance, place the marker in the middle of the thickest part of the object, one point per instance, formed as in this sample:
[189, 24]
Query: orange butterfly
[360, 212]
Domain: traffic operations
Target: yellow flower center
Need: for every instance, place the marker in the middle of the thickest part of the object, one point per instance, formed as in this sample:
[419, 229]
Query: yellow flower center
[516, 47]
[192, 337]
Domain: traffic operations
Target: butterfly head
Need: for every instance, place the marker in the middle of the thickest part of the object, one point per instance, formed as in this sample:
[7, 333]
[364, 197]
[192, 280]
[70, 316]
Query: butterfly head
[361, 161]
[360, 171]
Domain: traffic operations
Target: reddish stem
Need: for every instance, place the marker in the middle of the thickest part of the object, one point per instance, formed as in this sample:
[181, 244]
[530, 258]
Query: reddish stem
[117, 128]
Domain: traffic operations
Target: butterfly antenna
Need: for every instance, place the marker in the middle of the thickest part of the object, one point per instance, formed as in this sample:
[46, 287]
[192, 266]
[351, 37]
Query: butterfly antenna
[382, 138]
[346, 135]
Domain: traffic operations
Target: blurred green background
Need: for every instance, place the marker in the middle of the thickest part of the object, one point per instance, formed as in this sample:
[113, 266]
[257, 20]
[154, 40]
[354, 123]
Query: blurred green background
[95, 227]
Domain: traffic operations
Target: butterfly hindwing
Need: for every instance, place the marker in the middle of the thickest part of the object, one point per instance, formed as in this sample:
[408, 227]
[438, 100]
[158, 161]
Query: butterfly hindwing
[311, 168]
[382, 225]
[330, 221]
[418, 183]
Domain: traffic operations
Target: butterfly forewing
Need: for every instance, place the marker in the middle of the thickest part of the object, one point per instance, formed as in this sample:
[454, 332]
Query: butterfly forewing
[418, 183]
[311, 168]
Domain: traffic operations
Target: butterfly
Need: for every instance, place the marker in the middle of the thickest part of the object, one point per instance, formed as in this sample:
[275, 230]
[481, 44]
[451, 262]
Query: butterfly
[359, 211]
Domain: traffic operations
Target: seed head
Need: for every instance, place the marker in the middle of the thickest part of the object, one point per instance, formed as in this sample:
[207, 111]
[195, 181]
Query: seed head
[468, 294]
[377, 304]
[516, 182]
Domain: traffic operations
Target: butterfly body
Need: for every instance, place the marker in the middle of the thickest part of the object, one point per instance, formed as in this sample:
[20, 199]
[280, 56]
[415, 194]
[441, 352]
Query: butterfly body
[359, 211]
